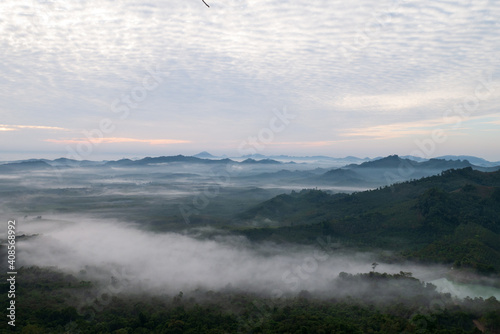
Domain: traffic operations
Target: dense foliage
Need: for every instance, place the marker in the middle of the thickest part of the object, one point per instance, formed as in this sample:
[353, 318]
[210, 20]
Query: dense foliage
[451, 218]
[49, 302]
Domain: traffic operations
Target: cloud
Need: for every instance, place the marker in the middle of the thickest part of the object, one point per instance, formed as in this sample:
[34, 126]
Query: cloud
[397, 102]
[493, 119]
[115, 140]
[395, 130]
[5, 127]
[173, 262]
[310, 143]
[233, 63]
[452, 122]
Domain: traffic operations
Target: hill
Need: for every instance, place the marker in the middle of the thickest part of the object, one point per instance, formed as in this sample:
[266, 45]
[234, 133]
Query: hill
[25, 166]
[391, 169]
[452, 218]
[474, 160]
[204, 155]
[262, 161]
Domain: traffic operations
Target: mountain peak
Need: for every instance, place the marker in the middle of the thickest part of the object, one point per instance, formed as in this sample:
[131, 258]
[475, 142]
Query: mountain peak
[391, 161]
[204, 154]
[263, 161]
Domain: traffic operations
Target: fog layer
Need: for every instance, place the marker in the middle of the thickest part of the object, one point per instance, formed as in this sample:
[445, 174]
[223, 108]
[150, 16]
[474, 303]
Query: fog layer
[172, 262]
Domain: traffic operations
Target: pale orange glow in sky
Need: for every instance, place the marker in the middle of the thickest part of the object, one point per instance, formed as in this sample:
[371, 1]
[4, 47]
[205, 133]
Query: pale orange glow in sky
[361, 77]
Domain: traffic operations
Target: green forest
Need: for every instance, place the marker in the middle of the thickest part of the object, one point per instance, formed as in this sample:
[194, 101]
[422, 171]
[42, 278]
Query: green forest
[452, 218]
[50, 302]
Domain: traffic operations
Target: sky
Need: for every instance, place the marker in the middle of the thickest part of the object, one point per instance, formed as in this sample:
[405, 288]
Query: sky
[101, 79]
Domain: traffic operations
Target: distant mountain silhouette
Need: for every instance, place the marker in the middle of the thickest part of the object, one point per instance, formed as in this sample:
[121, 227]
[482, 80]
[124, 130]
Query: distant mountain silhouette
[392, 169]
[65, 162]
[473, 160]
[445, 164]
[392, 161]
[366, 170]
[254, 156]
[185, 159]
[451, 218]
[342, 177]
[204, 155]
[263, 161]
[148, 161]
[25, 165]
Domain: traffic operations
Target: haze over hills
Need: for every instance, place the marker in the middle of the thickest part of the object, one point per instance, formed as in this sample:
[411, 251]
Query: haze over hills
[268, 172]
[350, 160]
[452, 218]
[372, 173]
[148, 161]
[223, 167]
[474, 160]
[438, 211]
[256, 181]
[238, 229]
[205, 155]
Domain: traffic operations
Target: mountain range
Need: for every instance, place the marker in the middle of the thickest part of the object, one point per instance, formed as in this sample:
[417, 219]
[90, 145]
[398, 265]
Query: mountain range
[254, 158]
[366, 174]
[372, 173]
[451, 218]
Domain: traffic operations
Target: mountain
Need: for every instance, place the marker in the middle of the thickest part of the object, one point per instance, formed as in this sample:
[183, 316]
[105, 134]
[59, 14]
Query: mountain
[60, 162]
[451, 218]
[205, 155]
[120, 163]
[391, 161]
[281, 177]
[254, 156]
[65, 162]
[443, 164]
[149, 161]
[474, 160]
[263, 161]
[391, 169]
[315, 159]
[368, 174]
[414, 158]
[394, 161]
[342, 177]
[25, 166]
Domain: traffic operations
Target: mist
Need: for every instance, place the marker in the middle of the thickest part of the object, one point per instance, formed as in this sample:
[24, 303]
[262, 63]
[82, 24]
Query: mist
[105, 251]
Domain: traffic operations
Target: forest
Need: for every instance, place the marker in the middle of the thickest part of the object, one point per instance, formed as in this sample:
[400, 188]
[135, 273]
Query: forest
[253, 259]
[49, 301]
[451, 218]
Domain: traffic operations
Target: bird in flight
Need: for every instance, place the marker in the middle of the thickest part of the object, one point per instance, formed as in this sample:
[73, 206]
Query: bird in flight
[205, 3]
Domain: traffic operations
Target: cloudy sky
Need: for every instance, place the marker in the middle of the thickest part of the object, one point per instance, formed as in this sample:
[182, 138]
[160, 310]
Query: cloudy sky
[93, 79]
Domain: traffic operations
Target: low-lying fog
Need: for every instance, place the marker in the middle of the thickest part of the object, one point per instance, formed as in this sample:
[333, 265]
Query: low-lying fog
[169, 262]
[462, 290]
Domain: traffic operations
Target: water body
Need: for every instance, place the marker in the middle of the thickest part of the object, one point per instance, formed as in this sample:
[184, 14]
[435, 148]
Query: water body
[462, 290]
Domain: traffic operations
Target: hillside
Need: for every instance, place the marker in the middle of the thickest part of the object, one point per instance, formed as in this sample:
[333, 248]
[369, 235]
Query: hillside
[392, 169]
[24, 166]
[452, 218]
[369, 174]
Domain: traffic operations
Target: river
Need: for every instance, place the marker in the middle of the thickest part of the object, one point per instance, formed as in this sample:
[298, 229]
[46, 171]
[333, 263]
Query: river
[462, 290]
